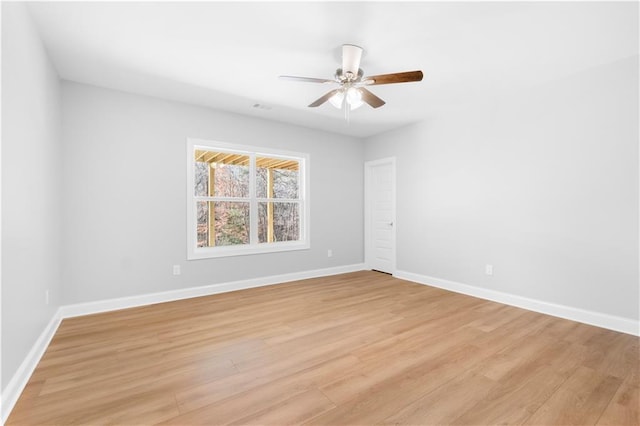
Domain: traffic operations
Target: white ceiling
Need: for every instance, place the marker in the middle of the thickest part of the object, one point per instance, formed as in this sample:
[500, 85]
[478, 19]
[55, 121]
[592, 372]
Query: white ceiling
[229, 55]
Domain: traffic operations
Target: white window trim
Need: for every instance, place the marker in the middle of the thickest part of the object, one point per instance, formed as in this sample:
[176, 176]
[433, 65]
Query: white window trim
[194, 252]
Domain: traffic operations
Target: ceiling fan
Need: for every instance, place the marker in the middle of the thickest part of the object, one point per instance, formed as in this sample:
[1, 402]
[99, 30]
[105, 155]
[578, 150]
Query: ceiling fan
[352, 91]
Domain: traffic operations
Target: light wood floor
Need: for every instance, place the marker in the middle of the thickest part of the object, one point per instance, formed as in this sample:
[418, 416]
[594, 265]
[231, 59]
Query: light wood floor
[360, 348]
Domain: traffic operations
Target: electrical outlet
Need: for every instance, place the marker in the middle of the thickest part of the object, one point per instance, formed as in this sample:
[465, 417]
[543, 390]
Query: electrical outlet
[46, 297]
[488, 269]
[329, 253]
[176, 269]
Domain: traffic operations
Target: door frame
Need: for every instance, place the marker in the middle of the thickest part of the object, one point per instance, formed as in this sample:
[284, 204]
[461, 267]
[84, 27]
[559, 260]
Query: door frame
[368, 229]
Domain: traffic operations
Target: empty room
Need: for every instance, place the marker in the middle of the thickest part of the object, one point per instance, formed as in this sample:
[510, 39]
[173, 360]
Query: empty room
[331, 213]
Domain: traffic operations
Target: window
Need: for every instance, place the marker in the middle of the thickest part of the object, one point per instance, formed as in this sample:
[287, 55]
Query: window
[245, 200]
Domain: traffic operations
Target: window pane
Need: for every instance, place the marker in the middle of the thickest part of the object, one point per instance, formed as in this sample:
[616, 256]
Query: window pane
[221, 174]
[201, 180]
[202, 214]
[277, 178]
[278, 221]
[230, 223]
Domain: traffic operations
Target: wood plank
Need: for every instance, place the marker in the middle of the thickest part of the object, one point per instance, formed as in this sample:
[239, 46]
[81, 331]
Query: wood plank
[624, 408]
[254, 398]
[295, 410]
[580, 400]
[514, 398]
[381, 399]
[445, 403]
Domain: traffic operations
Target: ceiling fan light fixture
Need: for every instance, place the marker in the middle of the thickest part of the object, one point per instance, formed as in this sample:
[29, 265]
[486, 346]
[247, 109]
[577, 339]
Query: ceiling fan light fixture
[353, 95]
[336, 100]
[354, 98]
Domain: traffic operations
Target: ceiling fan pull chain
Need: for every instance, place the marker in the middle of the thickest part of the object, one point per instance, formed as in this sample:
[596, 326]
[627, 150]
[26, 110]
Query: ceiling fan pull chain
[345, 106]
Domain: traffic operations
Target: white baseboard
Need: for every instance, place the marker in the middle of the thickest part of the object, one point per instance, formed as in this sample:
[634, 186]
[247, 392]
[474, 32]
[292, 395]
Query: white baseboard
[19, 380]
[80, 309]
[611, 322]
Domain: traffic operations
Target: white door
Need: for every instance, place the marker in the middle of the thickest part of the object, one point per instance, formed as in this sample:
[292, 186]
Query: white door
[380, 215]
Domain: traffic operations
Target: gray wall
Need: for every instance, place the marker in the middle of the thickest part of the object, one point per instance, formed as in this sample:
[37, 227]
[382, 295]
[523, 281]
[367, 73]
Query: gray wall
[542, 183]
[125, 202]
[31, 191]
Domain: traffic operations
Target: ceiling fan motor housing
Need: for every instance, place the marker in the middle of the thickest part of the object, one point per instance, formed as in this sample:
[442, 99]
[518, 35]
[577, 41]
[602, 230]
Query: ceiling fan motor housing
[344, 76]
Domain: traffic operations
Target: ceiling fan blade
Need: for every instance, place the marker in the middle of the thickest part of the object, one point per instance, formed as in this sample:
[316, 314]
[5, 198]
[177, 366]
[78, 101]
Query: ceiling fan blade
[399, 77]
[324, 98]
[370, 98]
[351, 55]
[305, 79]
